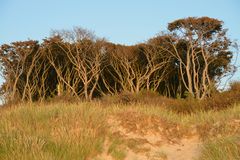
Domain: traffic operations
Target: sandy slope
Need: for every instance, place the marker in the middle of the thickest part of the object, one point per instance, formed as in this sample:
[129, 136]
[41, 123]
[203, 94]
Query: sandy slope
[150, 138]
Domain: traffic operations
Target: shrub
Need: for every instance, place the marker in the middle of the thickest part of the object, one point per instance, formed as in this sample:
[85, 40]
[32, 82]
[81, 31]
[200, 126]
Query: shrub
[235, 86]
[225, 99]
[218, 101]
[143, 97]
[185, 106]
[120, 98]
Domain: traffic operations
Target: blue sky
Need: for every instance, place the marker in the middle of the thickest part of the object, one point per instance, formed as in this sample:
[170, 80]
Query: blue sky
[125, 21]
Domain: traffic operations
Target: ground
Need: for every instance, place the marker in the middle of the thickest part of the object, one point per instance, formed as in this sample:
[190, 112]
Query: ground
[96, 131]
[148, 138]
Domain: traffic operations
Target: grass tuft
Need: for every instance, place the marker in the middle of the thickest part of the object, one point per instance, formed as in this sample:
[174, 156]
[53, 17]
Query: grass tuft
[227, 148]
[52, 132]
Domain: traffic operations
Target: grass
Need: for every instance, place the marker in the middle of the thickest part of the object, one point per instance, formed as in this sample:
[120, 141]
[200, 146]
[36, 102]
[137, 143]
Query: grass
[78, 131]
[116, 149]
[161, 155]
[52, 132]
[227, 148]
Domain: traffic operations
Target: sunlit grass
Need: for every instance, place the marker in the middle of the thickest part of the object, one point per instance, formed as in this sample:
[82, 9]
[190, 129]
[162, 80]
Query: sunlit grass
[227, 148]
[52, 132]
[78, 131]
[116, 149]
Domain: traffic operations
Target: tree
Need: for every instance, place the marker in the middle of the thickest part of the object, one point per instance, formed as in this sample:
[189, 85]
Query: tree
[201, 48]
[18, 60]
[191, 57]
[83, 53]
[134, 68]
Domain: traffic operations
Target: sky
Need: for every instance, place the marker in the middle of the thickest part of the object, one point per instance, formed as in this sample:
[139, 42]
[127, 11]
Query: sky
[125, 21]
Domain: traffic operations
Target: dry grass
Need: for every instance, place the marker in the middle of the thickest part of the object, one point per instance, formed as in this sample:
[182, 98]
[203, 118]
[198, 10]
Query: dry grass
[78, 131]
[58, 131]
[227, 148]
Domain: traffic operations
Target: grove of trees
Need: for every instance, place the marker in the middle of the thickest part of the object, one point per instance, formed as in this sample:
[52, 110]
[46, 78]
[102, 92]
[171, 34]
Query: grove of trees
[190, 57]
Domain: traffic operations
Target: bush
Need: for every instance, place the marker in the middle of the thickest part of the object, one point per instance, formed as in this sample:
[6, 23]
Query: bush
[143, 97]
[63, 99]
[225, 99]
[184, 106]
[120, 98]
[218, 101]
[235, 86]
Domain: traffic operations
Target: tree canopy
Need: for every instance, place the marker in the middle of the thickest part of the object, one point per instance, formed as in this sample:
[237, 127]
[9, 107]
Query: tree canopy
[191, 57]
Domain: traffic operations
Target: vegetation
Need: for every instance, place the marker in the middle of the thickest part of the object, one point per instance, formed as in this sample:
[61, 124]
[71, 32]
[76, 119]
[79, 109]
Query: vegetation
[58, 131]
[224, 148]
[79, 131]
[188, 60]
[77, 96]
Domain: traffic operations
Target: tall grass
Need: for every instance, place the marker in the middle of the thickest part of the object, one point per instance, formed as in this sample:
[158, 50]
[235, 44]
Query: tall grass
[221, 149]
[78, 131]
[52, 132]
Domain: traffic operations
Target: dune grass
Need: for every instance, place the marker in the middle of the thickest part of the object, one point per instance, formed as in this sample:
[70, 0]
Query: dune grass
[53, 132]
[78, 131]
[227, 148]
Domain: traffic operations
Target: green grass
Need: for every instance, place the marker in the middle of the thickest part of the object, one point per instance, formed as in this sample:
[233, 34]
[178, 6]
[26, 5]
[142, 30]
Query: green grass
[78, 131]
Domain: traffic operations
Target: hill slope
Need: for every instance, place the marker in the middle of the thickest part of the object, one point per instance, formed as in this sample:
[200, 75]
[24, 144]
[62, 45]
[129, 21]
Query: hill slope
[94, 131]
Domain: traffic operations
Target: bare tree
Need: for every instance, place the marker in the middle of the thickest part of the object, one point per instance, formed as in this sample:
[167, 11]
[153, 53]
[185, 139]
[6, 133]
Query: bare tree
[31, 72]
[139, 71]
[65, 74]
[84, 54]
[157, 67]
[40, 78]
